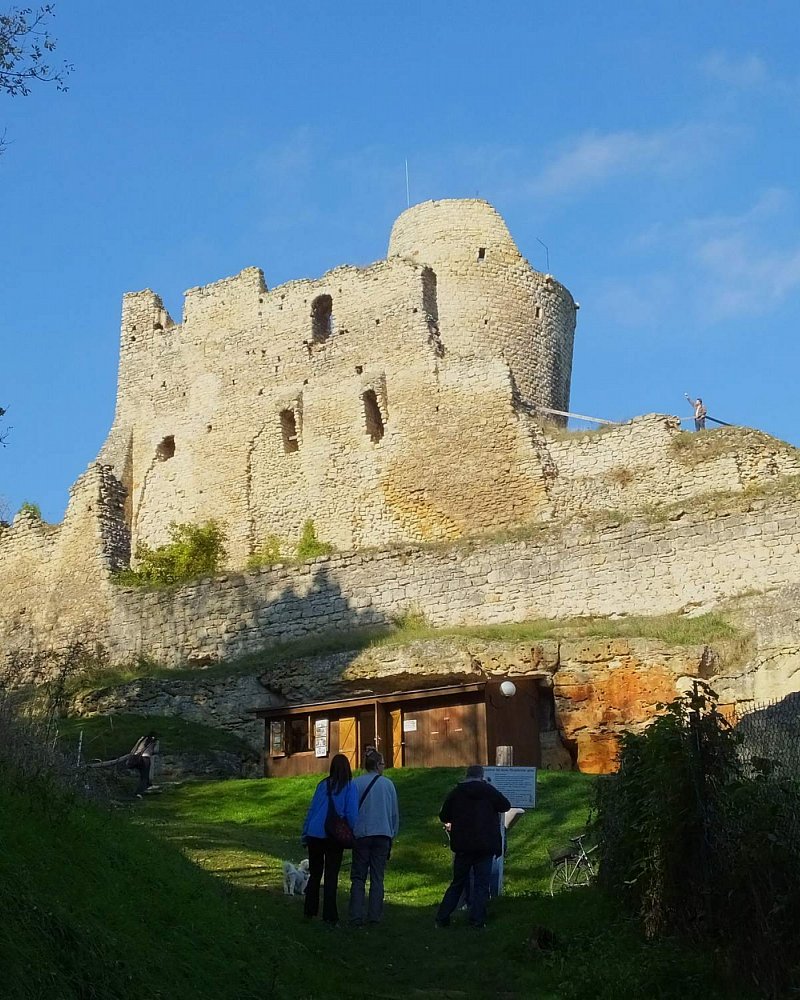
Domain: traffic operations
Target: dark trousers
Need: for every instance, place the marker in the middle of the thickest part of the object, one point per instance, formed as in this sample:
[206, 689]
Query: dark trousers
[324, 857]
[143, 767]
[464, 863]
[699, 423]
[370, 855]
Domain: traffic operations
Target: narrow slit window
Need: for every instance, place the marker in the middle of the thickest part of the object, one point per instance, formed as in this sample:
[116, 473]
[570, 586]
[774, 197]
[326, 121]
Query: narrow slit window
[538, 312]
[481, 253]
[321, 318]
[289, 431]
[373, 416]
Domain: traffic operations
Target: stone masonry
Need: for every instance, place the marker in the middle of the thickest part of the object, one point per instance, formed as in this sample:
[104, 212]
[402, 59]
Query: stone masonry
[395, 404]
[346, 399]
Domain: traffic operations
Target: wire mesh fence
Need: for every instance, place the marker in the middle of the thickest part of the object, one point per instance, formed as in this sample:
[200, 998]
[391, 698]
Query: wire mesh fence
[770, 731]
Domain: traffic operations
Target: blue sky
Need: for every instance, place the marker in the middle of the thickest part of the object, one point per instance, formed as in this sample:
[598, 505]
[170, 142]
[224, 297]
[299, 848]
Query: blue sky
[652, 147]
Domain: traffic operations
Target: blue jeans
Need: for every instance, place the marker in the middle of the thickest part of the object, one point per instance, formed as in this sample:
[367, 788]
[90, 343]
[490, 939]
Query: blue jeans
[370, 855]
[480, 865]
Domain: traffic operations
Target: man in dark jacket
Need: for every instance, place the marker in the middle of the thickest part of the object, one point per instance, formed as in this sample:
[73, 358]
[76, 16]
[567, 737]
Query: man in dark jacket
[471, 814]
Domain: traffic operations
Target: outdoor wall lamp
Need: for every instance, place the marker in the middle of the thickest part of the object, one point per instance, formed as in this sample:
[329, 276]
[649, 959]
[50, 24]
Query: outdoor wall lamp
[508, 689]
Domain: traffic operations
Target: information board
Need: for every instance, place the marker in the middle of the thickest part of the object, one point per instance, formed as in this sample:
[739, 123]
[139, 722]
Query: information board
[518, 784]
[321, 737]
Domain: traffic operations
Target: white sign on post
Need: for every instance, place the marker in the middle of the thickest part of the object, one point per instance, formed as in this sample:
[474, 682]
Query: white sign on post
[518, 784]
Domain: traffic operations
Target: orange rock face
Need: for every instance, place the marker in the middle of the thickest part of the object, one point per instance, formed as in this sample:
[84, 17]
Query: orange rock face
[604, 688]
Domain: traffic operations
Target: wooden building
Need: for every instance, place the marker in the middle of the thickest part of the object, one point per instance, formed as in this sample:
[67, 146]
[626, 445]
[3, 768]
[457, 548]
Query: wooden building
[449, 726]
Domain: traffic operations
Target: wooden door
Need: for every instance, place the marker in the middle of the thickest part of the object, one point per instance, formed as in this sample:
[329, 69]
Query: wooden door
[348, 743]
[444, 735]
[396, 747]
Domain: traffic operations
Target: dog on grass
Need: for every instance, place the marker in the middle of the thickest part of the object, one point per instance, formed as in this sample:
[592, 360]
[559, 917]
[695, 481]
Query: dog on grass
[295, 879]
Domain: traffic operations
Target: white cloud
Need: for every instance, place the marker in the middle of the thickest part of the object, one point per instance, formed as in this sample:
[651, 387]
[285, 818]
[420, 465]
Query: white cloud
[594, 158]
[742, 72]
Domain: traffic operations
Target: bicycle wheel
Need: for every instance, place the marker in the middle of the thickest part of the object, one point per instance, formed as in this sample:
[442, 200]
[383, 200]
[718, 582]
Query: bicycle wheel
[580, 875]
[560, 879]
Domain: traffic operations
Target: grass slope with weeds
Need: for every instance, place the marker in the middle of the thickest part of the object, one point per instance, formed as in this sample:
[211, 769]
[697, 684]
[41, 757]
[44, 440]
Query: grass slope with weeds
[242, 830]
[107, 736]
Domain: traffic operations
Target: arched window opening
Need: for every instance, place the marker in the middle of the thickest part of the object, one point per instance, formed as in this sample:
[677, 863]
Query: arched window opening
[289, 431]
[321, 318]
[373, 416]
[166, 448]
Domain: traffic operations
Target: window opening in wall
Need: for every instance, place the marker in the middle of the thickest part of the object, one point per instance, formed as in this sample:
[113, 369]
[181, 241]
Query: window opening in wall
[166, 448]
[538, 312]
[321, 318]
[373, 416]
[298, 735]
[481, 253]
[289, 431]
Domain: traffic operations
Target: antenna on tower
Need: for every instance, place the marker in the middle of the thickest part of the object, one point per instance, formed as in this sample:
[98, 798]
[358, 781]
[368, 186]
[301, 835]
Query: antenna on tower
[547, 252]
[408, 196]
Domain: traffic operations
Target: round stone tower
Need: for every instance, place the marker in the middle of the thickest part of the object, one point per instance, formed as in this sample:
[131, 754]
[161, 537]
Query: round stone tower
[489, 302]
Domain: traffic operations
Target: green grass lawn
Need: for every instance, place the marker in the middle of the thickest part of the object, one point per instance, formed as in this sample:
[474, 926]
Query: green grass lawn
[241, 831]
[107, 736]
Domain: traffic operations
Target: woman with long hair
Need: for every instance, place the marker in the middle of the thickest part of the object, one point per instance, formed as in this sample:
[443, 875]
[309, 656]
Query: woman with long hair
[324, 853]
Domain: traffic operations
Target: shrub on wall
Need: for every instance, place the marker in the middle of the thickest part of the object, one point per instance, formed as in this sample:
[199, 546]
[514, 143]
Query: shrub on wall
[31, 508]
[267, 554]
[702, 838]
[309, 546]
[193, 551]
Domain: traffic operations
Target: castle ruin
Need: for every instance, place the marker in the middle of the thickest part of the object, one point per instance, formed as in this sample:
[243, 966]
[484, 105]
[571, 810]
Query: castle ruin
[386, 403]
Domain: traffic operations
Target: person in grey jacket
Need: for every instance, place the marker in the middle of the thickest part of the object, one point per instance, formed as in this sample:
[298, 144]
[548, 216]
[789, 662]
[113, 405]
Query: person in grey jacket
[375, 829]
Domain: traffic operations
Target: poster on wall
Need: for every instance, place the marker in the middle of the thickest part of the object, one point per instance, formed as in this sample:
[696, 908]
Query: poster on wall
[409, 725]
[321, 729]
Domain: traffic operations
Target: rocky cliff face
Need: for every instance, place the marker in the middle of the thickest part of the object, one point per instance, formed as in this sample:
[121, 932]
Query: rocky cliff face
[591, 690]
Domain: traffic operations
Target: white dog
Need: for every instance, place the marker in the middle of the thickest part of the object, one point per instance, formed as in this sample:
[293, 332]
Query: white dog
[295, 879]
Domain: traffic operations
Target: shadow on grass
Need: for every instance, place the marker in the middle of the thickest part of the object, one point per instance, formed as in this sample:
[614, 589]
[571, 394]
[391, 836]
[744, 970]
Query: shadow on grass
[579, 945]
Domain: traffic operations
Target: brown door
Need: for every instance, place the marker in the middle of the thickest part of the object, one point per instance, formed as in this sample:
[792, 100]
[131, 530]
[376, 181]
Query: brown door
[396, 748]
[442, 735]
[348, 744]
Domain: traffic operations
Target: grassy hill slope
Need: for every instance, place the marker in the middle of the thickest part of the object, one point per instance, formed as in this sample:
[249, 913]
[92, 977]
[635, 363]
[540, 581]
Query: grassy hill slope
[126, 904]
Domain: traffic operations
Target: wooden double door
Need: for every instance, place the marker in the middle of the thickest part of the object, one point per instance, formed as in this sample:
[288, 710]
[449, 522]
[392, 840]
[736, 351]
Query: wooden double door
[443, 735]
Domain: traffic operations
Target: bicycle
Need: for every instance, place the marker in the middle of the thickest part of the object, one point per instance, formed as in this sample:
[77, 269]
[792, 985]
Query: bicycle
[572, 866]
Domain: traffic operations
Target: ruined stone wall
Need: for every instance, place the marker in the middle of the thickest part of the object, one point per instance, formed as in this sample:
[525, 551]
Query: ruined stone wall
[392, 418]
[55, 590]
[650, 462]
[642, 568]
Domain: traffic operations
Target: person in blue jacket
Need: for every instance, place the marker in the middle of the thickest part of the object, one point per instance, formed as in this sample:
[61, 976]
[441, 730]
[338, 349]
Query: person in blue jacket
[324, 854]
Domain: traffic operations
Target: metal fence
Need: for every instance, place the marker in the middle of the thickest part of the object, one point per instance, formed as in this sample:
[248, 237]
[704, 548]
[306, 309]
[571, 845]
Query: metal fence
[770, 731]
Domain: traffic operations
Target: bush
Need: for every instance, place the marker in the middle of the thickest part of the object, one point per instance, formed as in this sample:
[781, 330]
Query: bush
[701, 839]
[193, 551]
[309, 546]
[31, 508]
[268, 554]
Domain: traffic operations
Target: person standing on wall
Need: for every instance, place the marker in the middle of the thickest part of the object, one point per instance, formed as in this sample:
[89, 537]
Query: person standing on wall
[375, 829]
[699, 412]
[471, 814]
[334, 794]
